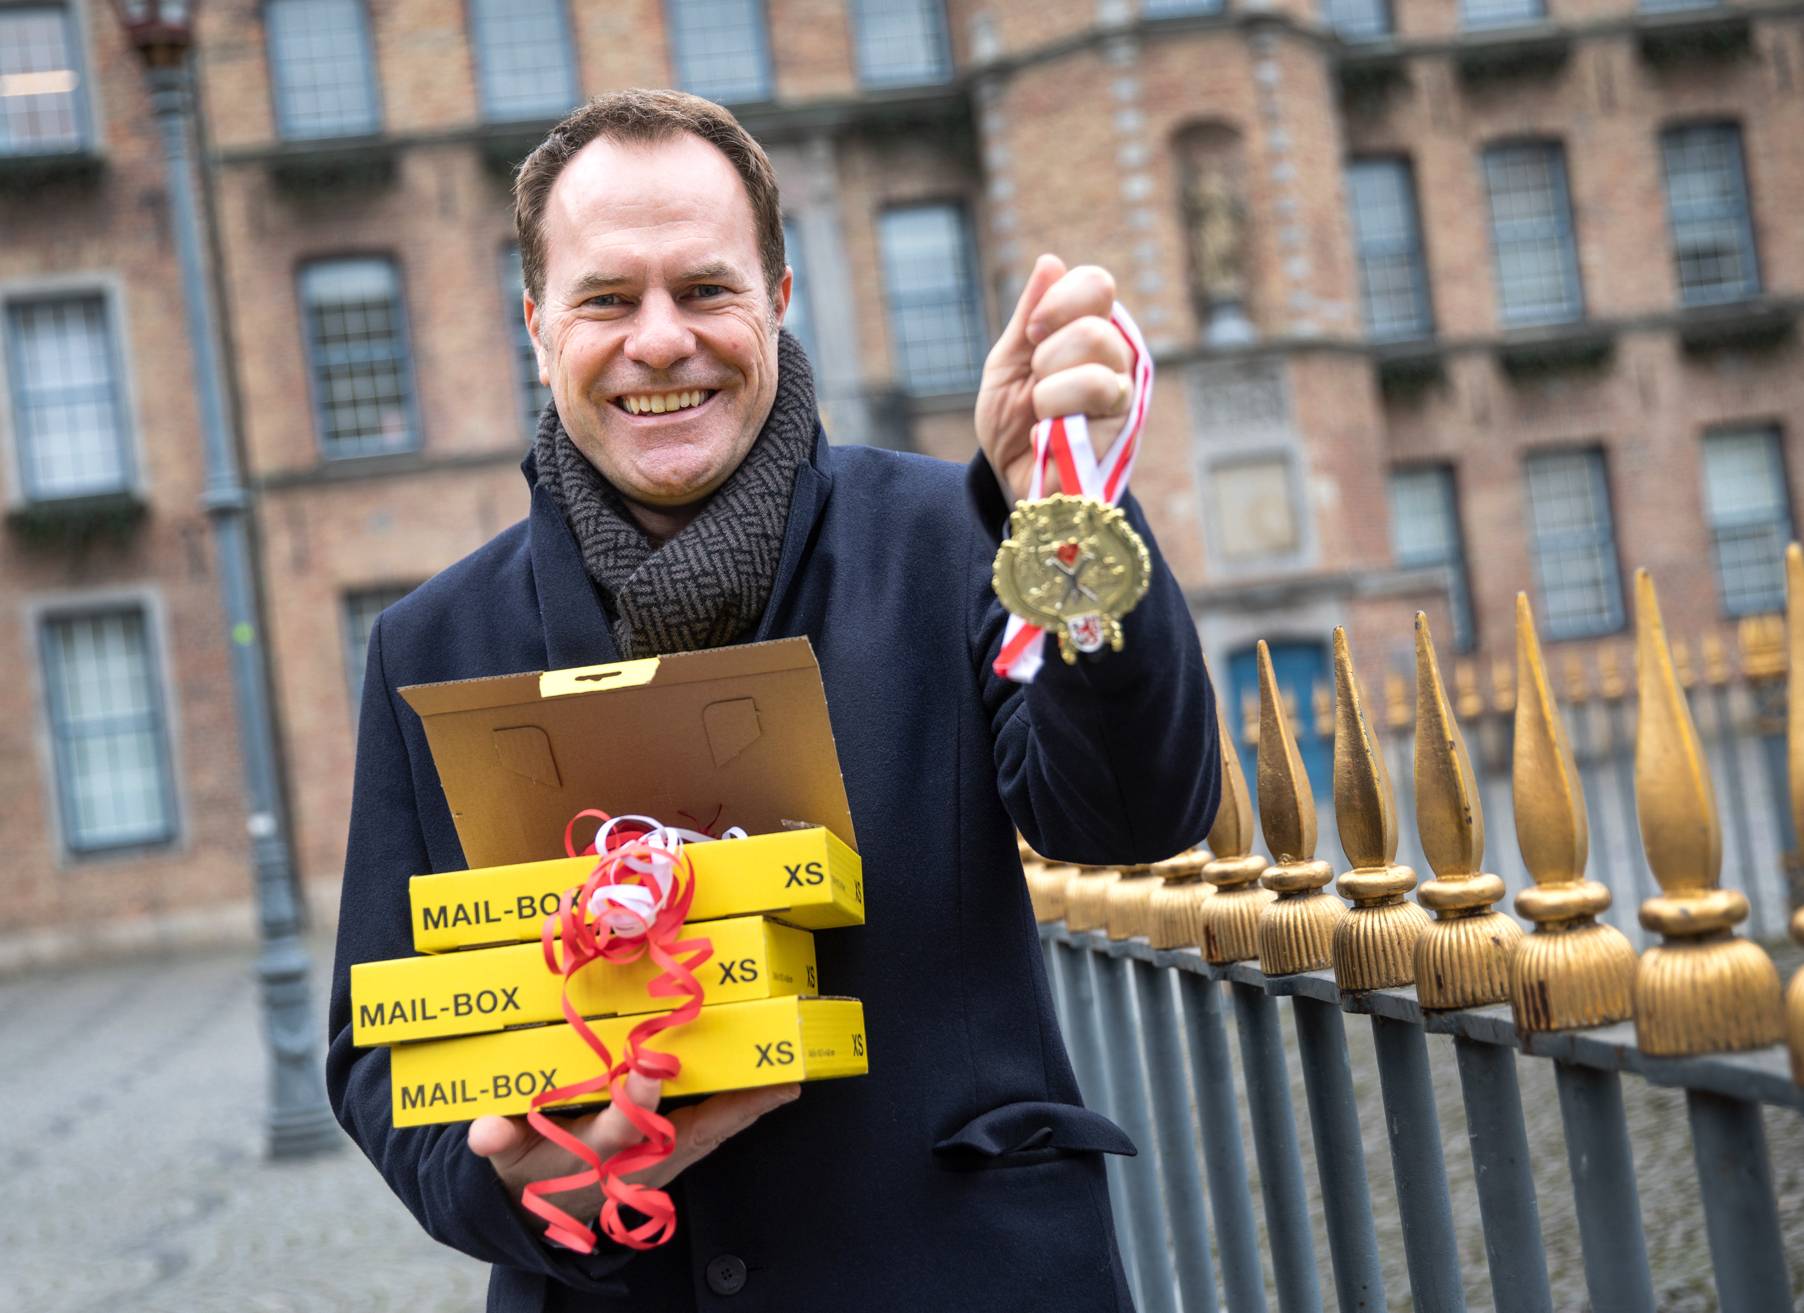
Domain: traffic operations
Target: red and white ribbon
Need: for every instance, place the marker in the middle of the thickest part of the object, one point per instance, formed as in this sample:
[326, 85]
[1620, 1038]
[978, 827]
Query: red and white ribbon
[1065, 442]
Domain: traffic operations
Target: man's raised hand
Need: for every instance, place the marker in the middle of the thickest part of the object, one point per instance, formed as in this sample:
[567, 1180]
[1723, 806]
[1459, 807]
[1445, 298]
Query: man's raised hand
[1058, 355]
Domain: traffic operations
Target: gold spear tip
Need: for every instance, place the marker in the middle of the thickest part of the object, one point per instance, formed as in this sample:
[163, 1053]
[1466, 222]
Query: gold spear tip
[1286, 803]
[1449, 816]
[1551, 827]
[1673, 795]
[1363, 810]
[1232, 833]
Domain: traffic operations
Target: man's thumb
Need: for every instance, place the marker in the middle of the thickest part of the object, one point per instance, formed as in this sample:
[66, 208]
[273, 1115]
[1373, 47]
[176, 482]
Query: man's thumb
[492, 1136]
[1047, 270]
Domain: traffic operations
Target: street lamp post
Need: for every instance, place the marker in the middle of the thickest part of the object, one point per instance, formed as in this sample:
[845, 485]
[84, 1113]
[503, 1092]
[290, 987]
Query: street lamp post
[299, 1120]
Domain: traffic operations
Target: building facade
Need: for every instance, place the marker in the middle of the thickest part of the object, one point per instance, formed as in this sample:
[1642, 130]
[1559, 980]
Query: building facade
[1449, 298]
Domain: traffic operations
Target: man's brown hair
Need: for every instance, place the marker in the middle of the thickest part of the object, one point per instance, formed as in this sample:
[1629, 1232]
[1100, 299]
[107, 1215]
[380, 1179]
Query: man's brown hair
[646, 117]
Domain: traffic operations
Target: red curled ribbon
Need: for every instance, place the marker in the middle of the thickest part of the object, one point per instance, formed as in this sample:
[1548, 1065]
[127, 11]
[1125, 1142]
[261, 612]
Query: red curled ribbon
[589, 938]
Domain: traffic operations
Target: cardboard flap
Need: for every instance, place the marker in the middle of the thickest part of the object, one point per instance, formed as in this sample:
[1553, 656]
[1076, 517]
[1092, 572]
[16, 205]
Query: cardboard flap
[729, 736]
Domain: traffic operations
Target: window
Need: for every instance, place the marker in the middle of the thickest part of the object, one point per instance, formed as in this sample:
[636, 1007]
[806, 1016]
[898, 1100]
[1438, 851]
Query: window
[934, 315]
[1425, 533]
[320, 68]
[1393, 281]
[721, 49]
[901, 43]
[107, 730]
[1359, 20]
[533, 394]
[357, 347]
[1257, 495]
[525, 66]
[1167, 8]
[68, 416]
[1500, 13]
[41, 109]
[799, 319]
[1664, 6]
[1531, 234]
[1707, 204]
[361, 607]
[1750, 517]
[1574, 543]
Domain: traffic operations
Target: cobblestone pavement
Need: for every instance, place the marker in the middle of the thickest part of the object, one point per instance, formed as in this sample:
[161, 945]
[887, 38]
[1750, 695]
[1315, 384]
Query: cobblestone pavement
[132, 1173]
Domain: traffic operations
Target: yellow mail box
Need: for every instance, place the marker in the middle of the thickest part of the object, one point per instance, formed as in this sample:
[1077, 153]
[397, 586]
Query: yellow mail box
[729, 1046]
[807, 877]
[429, 997]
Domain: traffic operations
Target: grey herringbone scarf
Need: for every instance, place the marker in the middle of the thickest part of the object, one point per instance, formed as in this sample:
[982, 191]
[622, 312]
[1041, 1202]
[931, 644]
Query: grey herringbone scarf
[708, 584]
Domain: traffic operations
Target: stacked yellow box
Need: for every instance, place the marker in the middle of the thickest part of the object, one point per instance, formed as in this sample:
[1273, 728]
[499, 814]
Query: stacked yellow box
[475, 1021]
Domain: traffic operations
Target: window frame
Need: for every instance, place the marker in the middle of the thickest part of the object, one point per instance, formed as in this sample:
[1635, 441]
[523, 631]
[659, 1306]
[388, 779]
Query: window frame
[416, 436]
[1538, 14]
[1750, 247]
[855, 18]
[1614, 623]
[526, 378]
[975, 285]
[165, 717]
[1384, 31]
[1425, 325]
[478, 66]
[1564, 237]
[90, 123]
[109, 288]
[1463, 612]
[1774, 431]
[372, 79]
[357, 662]
[767, 91]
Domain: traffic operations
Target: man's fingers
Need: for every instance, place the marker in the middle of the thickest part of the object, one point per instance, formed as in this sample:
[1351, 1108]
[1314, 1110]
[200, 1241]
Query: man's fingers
[1014, 344]
[491, 1137]
[612, 1130]
[1093, 390]
[1086, 290]
[712, 1122]
[1089, 340]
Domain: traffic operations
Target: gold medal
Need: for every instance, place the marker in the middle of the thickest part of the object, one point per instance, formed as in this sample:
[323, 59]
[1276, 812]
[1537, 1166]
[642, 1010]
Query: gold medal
[1072, 566]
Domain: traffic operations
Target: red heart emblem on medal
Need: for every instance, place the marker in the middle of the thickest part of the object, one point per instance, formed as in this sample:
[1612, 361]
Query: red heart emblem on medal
[1068, 552]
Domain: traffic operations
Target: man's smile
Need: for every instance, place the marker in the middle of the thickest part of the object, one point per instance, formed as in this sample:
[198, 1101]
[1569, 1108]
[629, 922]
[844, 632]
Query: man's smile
[663, 403]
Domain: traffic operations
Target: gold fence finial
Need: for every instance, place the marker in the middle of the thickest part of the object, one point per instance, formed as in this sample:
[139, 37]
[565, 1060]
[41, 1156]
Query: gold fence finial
[1249, 719]
[1374, 944]
[1794, 741]
[1762, 639]
[1573, 970]
[1045, 883]
[1128, 902]
[1228, 924]
[1467, 700]
[1682, 668]
[1503, 688]
[1716, 659]
[1576, 680]
[1321, 702]
[1087, 897]
[1610, 679]
[1296, 927]
[1396, 702]
[1704, 989]
[1178, 895]
[1462, 960]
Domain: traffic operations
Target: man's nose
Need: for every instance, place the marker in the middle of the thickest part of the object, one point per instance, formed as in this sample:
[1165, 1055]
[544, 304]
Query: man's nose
[659, 338]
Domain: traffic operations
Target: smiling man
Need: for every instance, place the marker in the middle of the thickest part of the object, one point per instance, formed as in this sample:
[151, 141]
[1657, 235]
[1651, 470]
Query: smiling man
[684, 496]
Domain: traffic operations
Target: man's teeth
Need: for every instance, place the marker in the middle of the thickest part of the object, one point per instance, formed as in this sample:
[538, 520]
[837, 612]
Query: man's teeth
[660, 403]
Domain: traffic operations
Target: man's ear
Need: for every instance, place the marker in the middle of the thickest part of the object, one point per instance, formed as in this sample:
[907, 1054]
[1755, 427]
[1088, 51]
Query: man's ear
[530, 309]
[785, 288]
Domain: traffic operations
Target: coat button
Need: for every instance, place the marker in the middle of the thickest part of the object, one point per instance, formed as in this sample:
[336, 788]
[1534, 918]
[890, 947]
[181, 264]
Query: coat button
[726, 1274]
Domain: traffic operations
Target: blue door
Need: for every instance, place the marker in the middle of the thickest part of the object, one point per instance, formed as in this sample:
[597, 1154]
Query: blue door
[1301, 667]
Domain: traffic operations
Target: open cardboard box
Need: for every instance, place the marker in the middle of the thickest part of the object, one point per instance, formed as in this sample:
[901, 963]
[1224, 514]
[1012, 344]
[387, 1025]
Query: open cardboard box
[730, 736]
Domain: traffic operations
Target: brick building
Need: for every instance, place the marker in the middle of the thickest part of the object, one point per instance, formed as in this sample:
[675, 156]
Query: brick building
[1450, 297]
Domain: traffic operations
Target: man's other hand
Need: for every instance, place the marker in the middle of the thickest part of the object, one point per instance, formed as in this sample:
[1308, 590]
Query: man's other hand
[1059, 355]
[520, 1155]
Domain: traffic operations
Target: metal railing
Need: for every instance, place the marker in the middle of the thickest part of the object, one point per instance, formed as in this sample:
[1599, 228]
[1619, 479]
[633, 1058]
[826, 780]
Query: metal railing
[1146, 963]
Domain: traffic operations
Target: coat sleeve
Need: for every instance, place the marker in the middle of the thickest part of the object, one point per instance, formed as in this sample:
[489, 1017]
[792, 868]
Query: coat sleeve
[456, 1196]
[1113, 760]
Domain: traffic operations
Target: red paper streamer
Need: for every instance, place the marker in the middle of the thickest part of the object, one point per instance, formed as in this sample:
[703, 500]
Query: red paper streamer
[587, 939]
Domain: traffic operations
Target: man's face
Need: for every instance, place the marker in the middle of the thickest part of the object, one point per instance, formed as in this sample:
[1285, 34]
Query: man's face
[656, 334]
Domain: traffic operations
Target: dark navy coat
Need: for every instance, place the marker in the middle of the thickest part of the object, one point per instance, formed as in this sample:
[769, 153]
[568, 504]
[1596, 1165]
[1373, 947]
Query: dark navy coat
[962, 1172]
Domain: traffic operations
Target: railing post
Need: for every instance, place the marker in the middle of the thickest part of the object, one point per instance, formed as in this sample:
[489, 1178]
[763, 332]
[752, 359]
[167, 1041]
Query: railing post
[1741, 1214]
[1604, 1190]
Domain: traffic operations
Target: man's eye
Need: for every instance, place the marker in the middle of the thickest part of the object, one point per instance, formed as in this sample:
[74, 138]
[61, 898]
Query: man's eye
[708, 289]
[606, 301]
